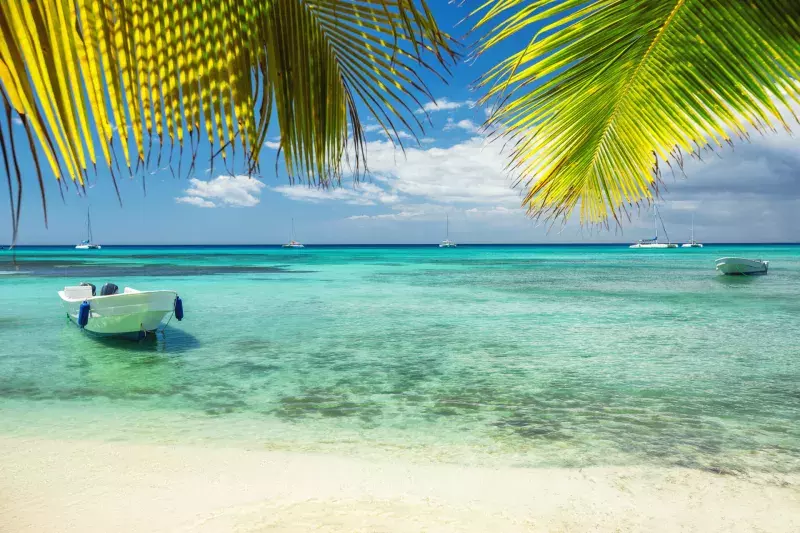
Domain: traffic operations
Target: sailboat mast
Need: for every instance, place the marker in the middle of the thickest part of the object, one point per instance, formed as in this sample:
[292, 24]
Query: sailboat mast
[89, 224]
[655, 220]
[692, 228]
[447, 227]
[662, 225]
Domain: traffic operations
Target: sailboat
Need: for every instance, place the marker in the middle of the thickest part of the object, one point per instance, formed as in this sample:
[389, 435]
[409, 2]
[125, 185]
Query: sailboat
[87, 244]
[653, 243]
[693, 243]
[447, 243]
[292, 242]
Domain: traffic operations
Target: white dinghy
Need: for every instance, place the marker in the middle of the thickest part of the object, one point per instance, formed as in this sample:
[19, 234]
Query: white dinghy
[740, 266]
[127, 313]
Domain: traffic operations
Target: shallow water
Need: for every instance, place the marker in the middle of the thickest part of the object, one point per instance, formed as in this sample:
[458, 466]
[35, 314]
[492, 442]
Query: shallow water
[558, 356]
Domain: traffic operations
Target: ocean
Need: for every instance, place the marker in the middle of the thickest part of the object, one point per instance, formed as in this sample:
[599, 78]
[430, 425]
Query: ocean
[529, 356]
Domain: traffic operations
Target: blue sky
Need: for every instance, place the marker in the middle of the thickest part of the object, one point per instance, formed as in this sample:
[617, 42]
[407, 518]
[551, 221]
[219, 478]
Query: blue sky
[749, 194]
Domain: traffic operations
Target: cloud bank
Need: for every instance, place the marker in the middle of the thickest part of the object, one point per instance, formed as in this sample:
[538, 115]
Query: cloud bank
[223, 191]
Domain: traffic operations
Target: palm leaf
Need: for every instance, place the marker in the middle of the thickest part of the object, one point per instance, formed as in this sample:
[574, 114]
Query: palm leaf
[135, 76]
[608, 90]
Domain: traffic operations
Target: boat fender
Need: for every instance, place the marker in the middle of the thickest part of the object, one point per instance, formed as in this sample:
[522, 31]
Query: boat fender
[83, 314]
[178, 308]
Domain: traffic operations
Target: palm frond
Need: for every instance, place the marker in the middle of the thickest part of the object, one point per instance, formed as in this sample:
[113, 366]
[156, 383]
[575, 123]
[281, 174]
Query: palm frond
[126, 79]
[607, 89]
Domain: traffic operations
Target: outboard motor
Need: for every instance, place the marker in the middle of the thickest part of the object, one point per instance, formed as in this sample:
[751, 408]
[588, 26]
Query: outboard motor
[108, 289]
[94, 289]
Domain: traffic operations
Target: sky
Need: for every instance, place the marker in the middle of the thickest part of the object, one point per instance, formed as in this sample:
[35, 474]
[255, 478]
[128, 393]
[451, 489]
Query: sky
[748, 193]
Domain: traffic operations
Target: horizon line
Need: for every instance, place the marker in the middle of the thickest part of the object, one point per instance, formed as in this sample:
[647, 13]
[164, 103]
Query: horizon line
[7, 247]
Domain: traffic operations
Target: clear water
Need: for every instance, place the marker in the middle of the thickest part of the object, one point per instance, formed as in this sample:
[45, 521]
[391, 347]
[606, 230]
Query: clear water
[557, 356]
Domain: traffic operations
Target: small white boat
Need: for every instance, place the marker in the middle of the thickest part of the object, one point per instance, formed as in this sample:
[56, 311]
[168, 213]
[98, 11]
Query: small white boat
[692, 243]
[447, 243]
[129, 312]
[653, 243]
[740, 266]
[88, 244]
[292, 242]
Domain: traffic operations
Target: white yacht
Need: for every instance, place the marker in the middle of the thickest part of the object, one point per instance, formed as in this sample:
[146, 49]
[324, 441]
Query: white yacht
[740, 266]
[692, 243]
[653, 243]
[88, 244]
[447, 243]
[125, 313]
[292, 242]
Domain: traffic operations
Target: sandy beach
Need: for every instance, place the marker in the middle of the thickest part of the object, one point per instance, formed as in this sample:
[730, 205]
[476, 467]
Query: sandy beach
[64, 486]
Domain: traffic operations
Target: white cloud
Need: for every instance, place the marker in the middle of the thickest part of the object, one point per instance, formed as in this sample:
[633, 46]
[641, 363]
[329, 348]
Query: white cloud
[466, 125]
[17, 121]
[372, 127]
[222, 191]
[195, 200]
[272, 145]
[400, 134]
[443, 104]
[470, 172]
[427, 140]
[359, 194]
[406, 212]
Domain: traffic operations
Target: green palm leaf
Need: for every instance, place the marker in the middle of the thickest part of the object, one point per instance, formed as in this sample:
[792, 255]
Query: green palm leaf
[119, 79]
[608, 88]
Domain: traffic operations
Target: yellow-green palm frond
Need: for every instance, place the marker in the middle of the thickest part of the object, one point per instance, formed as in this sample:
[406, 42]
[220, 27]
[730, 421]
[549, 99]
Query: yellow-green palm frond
[128, 78]
[605, 89]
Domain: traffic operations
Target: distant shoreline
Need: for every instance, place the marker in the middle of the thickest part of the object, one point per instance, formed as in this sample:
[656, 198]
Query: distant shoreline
[410, 245]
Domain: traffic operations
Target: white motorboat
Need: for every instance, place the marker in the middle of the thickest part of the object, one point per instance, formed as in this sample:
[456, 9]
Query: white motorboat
[292, 242]
[740, 266]
[88, 244]
[447, 243]
[126, 313]
[692, 243]
[653, 243]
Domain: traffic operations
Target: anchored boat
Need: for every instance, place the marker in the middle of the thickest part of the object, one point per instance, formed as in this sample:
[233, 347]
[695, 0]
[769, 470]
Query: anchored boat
[740, 266]
[88, 244]
[692, 243]
[653, 243]
[292, 242]
[447, 243]
[126, 313]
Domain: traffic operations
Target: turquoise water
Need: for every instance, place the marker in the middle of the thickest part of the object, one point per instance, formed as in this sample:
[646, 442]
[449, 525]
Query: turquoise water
[533, 356]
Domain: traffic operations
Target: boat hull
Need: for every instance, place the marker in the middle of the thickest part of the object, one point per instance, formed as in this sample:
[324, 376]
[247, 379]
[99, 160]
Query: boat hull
[88, 247]
[657, 245]
[739, 266]
[692, 245]
[128, 313]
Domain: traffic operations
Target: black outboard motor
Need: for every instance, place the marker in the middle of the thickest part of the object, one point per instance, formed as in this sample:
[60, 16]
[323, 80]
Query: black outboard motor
[108, 289]
[94, 289]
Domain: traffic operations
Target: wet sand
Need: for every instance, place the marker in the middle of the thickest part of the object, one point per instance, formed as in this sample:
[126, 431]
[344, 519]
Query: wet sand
[87, 486]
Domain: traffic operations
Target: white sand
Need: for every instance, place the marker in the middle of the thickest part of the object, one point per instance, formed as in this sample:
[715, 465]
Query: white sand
[65, 486]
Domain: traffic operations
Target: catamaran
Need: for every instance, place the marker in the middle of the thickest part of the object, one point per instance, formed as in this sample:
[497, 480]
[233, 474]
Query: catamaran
[692, 243]
[292, 242]
[653, 243]
[447, 243]
[114, 313]
[88, 244]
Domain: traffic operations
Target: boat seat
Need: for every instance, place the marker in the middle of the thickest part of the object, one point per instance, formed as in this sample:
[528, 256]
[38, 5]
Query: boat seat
[78, 292]
[108, 289]
[94, 289]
